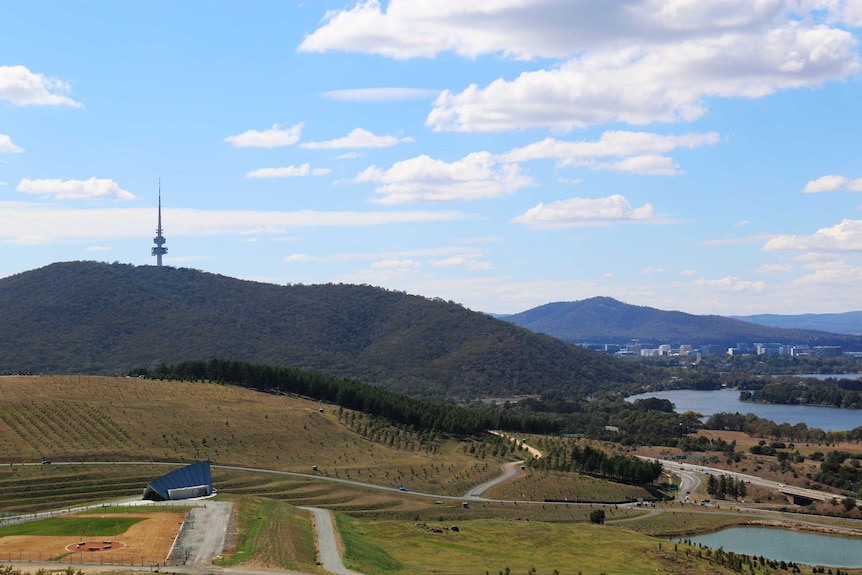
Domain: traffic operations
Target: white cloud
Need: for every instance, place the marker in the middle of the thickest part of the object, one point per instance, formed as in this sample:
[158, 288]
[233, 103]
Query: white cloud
[299, 258]
[638, 61]
[371, 95]
[576, 212]
[358, 138]
[769, 268]
[287, 172]
[424, 179]
[833, 184]
[688, 273]
[92, 189]
[395, 264]
[7, 146]
[845, 236]
[649, 165]
[833, 273]
[652, 270]
[640, 85]
[524, 30]
[37, 223]
[611, 143]
[24, 88]
[741, 224]
[275, 137]
[731, 284]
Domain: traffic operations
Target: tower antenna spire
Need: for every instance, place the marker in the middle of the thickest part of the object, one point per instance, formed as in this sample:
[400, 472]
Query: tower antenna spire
[159, 250]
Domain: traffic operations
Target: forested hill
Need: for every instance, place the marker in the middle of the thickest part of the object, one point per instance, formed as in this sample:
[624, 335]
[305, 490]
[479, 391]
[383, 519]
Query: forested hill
[606, 320]
[98, 318]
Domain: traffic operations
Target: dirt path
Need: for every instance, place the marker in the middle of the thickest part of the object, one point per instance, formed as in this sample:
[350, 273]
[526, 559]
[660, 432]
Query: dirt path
[202, 535]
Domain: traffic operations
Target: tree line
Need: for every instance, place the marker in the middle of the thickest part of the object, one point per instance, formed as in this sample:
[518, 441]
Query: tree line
[349, 394]
[569, 455]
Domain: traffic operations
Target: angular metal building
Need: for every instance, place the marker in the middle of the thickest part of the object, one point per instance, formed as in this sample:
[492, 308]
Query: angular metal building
[184, 483]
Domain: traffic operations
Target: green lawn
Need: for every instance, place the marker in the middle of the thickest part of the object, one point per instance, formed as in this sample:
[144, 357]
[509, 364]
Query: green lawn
[78, 526]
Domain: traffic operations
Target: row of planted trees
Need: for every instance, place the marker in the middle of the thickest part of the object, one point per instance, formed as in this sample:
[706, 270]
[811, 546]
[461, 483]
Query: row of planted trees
[349, 394]
[563, 454]
[725, 486]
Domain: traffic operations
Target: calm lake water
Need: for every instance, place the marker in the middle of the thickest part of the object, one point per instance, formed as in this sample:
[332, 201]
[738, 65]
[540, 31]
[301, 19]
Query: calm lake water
[727, 400]
[783, 545]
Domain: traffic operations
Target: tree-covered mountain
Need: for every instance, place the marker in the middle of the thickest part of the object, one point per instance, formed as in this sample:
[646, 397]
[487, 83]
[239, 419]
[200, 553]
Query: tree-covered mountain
[606, 320]
[849, 322]
[98, 318]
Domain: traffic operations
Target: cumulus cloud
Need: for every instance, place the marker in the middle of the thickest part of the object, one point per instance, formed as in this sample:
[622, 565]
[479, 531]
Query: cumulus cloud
[640, 85]
[769, 268]
[288, 172]
[275, 137]
[7, 146]
[372, 95]
[731, 284]
[524, 30]
[298, 258]
[576, 212]
[395, 264]
[612, 143]
[832, 273]
[424, 179]
[38, 223]
[358, 138]
[92, 189]
[845, 236]
[833, 184]
[637, 62]
[24, 88]
[649, 165]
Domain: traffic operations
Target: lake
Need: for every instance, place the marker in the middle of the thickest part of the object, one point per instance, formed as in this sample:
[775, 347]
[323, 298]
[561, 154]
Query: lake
[727, 400]
[785, 545]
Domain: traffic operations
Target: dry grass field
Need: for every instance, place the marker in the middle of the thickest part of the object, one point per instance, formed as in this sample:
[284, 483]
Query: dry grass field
[86, 418]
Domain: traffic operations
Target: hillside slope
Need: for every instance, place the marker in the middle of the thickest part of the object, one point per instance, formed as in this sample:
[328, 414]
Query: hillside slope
[97, 318]
[606, 320]
[847, 323]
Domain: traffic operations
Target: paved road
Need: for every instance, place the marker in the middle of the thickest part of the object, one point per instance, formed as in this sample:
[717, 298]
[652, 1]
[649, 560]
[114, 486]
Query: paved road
[689, 468]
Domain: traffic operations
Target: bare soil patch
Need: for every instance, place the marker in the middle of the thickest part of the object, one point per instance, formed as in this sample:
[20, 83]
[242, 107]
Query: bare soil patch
[147, 542]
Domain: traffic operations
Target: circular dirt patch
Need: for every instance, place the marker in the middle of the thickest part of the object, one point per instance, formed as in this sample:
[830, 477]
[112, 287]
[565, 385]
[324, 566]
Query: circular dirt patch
[94, 546]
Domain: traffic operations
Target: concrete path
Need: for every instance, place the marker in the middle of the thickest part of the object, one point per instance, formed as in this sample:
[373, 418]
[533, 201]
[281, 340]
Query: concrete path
[327, 542]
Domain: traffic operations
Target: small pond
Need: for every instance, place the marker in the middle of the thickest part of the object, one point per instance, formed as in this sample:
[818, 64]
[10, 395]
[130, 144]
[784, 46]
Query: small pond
[785, 545]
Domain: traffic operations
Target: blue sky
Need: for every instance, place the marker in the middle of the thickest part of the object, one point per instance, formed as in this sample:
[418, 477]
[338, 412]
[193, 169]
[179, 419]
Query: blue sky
[692, 155]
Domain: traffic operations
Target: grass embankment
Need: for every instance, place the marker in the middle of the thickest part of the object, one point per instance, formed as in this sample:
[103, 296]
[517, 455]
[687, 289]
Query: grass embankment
[492, 546]
[273, 535]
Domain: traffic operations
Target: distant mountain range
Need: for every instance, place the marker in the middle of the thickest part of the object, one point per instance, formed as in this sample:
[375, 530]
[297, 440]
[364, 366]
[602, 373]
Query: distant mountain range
[848, 322]
[98, 318]
[606, 320]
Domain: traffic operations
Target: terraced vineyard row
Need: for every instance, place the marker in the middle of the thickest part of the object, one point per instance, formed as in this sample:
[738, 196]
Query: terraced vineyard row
[42, 428]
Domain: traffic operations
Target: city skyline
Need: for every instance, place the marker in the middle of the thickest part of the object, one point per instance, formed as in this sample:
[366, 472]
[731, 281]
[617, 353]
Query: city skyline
[699, 156]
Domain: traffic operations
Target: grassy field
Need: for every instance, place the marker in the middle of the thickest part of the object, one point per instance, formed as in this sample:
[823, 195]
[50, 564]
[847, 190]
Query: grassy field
[504, 546]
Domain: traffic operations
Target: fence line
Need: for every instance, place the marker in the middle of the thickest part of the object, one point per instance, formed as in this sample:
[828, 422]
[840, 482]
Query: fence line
[79, 558]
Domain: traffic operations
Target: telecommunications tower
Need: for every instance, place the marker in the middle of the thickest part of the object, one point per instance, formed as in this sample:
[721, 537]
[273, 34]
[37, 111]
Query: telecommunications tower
[159, 250]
